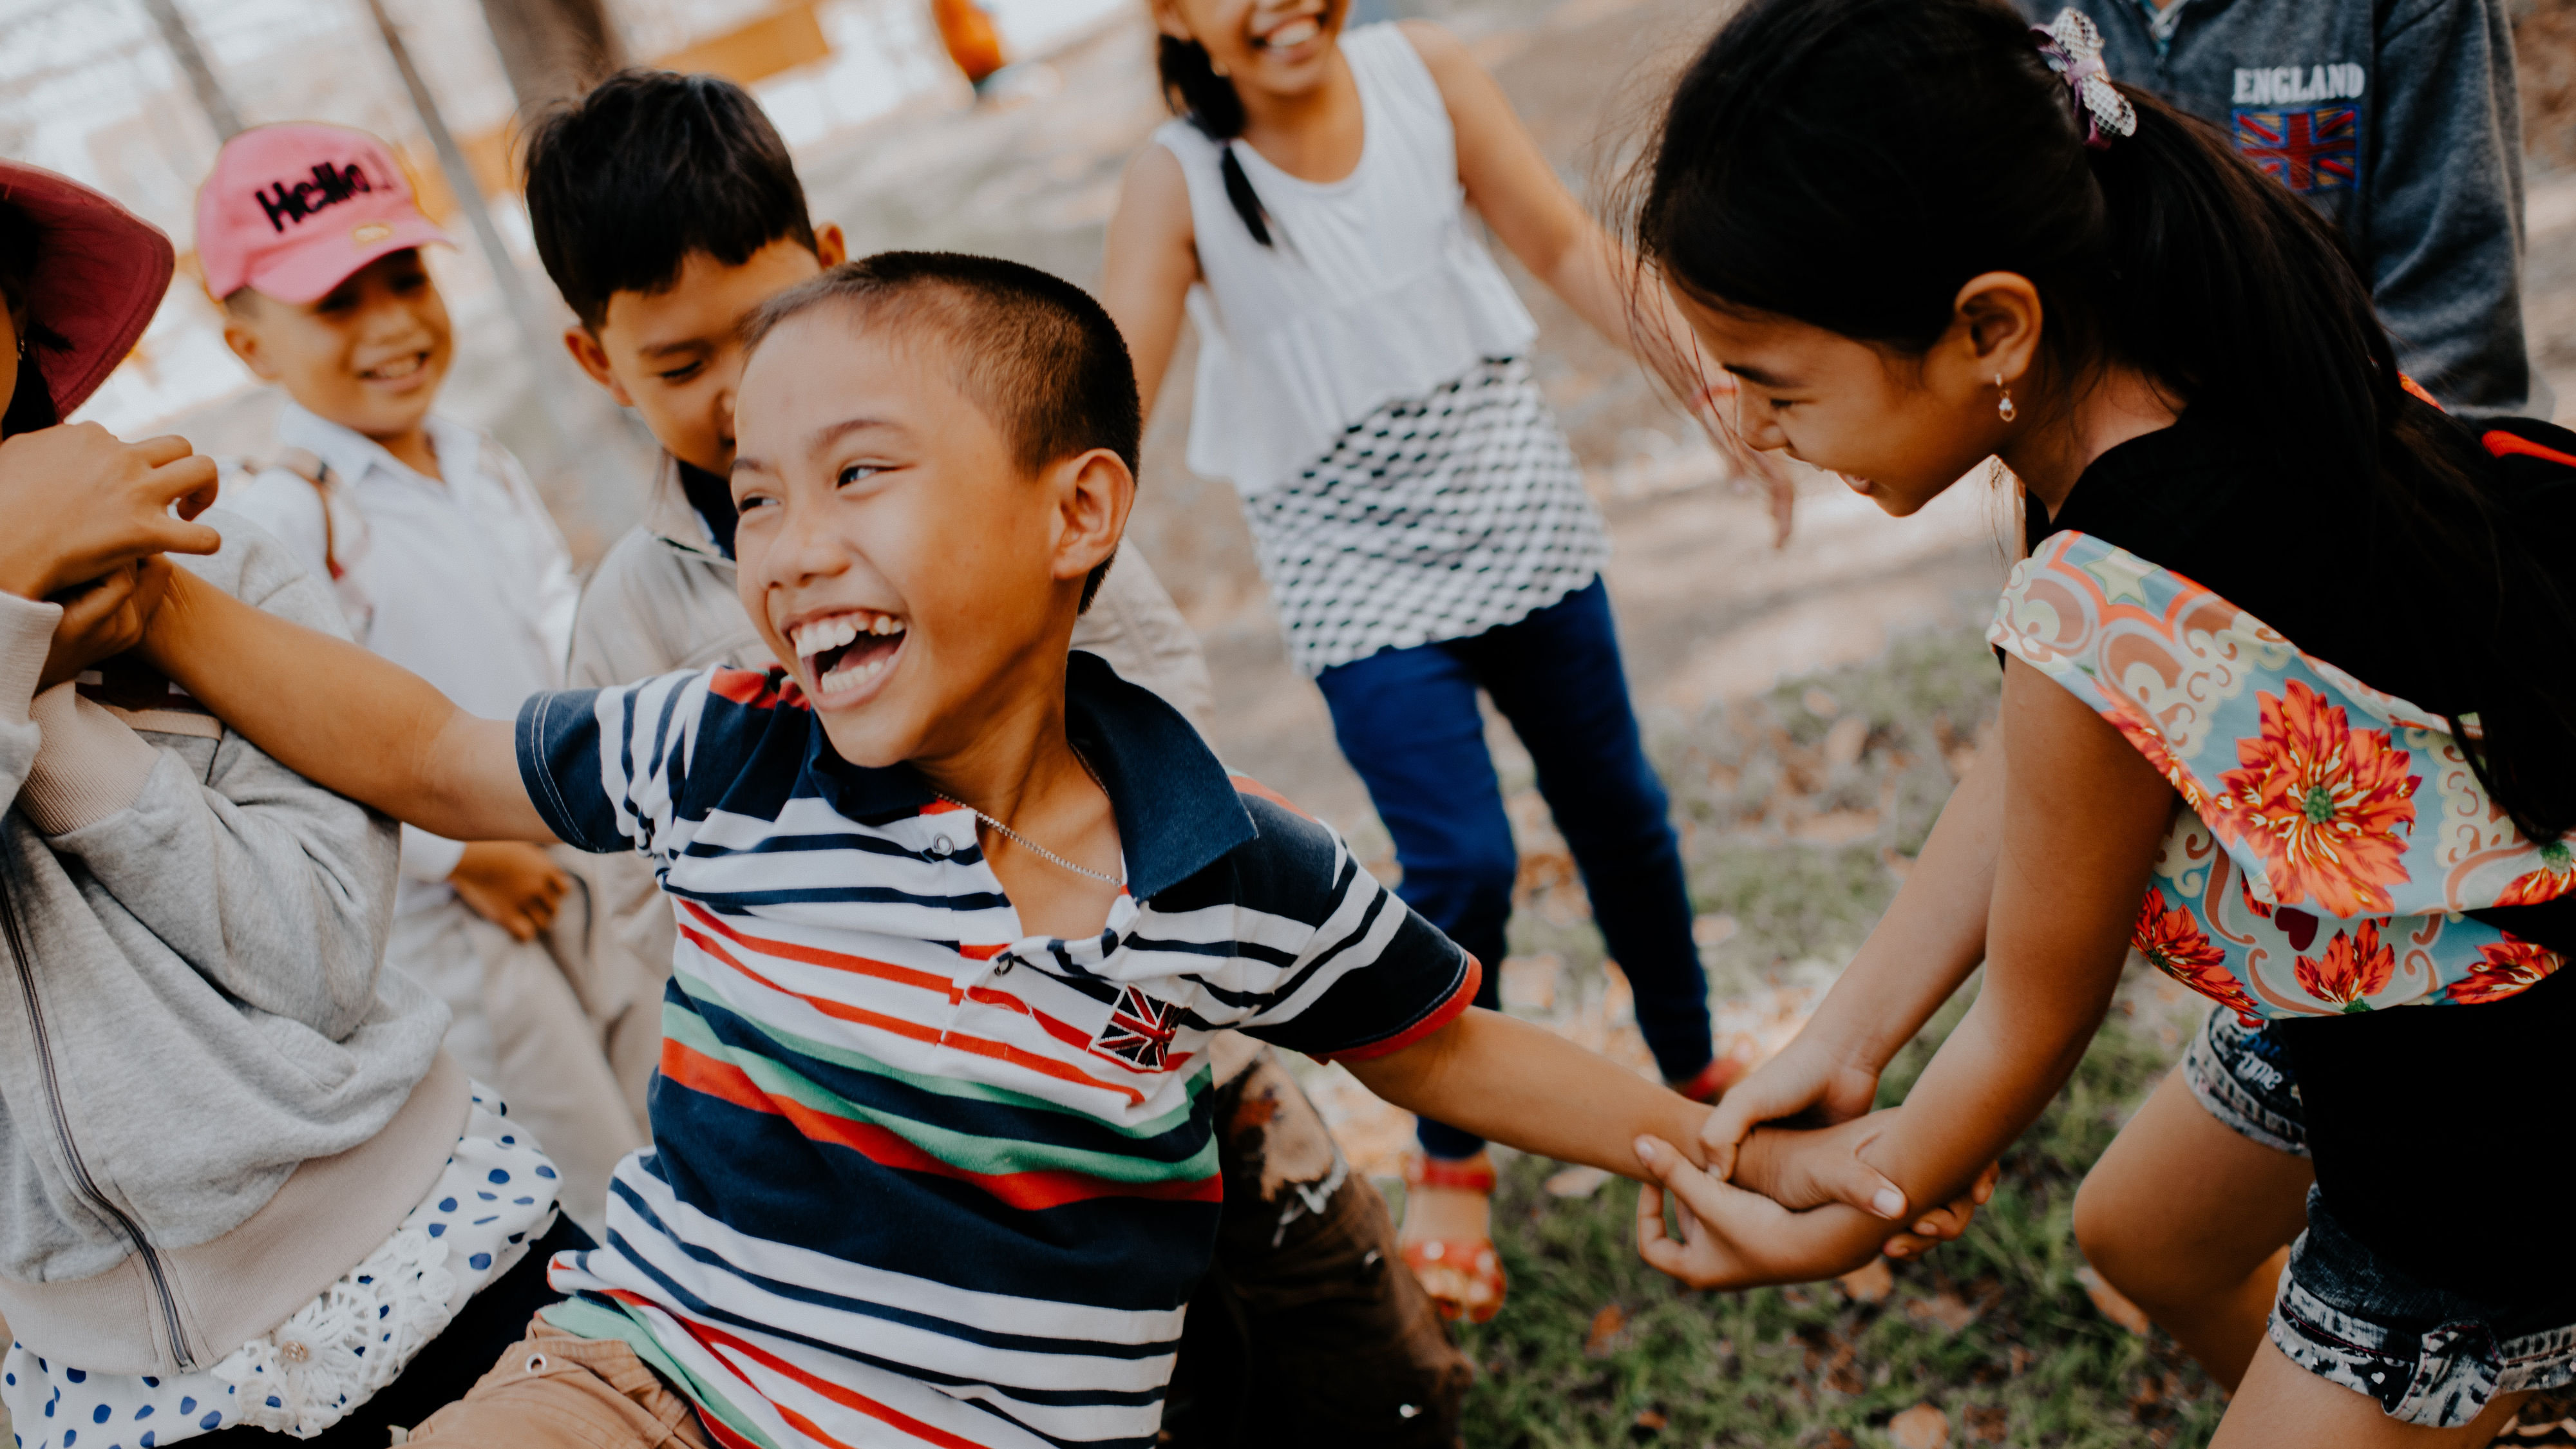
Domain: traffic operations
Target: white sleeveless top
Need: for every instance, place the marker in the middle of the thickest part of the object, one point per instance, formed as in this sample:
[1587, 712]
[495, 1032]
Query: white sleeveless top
[1375, 291]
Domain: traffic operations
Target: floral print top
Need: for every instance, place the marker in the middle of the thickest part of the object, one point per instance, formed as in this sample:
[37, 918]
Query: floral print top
[2333, 835]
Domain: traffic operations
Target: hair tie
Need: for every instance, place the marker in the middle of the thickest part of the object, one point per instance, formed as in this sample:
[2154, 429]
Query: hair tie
[2073, 48]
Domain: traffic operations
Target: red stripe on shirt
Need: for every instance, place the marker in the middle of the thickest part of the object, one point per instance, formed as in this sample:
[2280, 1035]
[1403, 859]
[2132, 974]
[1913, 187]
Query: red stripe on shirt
[916, 1031]
[2500, 443]
[1447, 1012]
[1063, 1031]
[1032, 1191]
[717, 1341]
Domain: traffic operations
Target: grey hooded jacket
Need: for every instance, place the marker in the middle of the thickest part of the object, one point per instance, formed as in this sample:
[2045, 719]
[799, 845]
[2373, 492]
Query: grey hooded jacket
[213, 1100]
[2398, 119]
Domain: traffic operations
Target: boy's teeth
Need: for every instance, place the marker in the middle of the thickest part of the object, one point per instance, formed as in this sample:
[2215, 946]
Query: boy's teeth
[812, 639]
[1295, 32]
[852, 675]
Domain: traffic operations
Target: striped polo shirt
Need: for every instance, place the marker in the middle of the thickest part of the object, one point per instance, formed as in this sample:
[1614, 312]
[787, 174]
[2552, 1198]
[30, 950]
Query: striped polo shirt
[918, 1177]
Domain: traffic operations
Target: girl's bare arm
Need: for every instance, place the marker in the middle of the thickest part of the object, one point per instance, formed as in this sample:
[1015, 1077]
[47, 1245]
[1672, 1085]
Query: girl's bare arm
[342, 717]
[1931, 938]
[1152, 260]
[1511, 185]
[2083, 816]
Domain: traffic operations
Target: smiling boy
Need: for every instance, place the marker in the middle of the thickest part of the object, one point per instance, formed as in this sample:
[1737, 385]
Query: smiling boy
[444, 561]
[932, 1158]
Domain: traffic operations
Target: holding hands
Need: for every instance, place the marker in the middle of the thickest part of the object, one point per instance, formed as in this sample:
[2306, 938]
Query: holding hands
[108, 509]
[1787, 1204]
[105, 504]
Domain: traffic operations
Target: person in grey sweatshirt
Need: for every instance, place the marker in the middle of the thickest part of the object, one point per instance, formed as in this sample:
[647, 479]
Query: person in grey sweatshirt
[2397, 119]
[241, 1189]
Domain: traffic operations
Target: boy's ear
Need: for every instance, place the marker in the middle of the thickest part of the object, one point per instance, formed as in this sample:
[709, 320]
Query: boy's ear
[585, 350]
[1167, 19]
[1094, 492]
[244, 340]
[830, 247]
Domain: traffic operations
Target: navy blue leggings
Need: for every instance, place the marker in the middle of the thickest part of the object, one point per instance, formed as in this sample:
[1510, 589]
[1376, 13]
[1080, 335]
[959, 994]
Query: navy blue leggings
[1408, 723]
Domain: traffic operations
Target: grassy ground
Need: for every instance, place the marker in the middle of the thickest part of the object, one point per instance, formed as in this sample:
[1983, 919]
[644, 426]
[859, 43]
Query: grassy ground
[1803, 809]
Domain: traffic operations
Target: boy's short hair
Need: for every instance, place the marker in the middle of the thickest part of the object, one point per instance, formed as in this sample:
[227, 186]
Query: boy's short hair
[1036, 353]
[626, 181]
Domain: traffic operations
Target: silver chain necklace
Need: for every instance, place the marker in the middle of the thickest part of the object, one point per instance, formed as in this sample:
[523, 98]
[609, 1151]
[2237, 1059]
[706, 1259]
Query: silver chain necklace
[1032, 847]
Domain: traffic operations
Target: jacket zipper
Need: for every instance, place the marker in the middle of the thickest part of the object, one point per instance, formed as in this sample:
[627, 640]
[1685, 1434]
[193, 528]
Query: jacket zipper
[81, 1180]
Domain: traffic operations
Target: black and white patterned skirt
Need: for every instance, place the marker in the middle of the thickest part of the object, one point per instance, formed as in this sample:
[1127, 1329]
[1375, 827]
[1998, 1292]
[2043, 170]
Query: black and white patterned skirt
[1433, 518]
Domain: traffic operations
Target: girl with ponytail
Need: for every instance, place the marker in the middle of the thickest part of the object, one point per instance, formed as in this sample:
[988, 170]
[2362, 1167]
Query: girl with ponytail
[1363, 379]
[2289, 706]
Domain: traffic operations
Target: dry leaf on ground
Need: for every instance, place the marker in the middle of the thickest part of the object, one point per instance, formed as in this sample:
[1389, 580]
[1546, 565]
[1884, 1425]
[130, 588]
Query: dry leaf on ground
[1946, 1311]
[1920, 1427]
[1869, 1284]
[1605, 1330]
[2114, 1307]
[1576, 1182]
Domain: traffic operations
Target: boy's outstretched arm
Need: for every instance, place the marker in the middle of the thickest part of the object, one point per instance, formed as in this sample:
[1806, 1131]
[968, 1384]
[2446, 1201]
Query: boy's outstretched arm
[1523, 1085]
[342, 717]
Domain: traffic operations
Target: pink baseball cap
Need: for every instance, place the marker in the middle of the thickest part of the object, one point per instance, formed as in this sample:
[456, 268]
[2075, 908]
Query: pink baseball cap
[292, 210]
[101, 272]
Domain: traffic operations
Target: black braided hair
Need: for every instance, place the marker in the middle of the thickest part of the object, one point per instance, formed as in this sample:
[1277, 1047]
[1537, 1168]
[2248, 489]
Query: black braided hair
[1192, 88]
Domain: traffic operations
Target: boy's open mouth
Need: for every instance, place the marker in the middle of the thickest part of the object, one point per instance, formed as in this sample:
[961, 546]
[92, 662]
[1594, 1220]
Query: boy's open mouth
[401, 369]
[847, 651]
[1289, 36]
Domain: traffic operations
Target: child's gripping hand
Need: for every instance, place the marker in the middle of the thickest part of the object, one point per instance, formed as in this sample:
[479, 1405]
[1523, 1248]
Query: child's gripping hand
[1732, 1238]
[103, 618]
[1805, 1082]
[512, 884]
[1809, 1169]
[88, 502]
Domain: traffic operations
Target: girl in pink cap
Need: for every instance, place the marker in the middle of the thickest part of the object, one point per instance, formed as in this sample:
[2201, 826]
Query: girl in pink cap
[247, 1194]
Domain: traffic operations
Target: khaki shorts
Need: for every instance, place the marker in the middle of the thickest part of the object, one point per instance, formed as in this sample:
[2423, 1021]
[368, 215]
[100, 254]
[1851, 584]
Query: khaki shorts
[554, 1391]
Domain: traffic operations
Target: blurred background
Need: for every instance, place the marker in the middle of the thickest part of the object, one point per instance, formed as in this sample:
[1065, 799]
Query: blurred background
[1809, 706]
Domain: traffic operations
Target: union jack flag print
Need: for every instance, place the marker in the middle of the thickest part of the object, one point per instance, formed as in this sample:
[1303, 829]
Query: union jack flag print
[1140, 1030]
[2310, 150]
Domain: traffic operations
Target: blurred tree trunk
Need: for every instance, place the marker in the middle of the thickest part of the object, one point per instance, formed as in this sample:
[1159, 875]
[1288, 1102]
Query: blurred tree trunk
[553, 48]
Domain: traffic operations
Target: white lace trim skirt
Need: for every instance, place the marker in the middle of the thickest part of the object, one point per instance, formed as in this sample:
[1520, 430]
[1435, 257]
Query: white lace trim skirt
[495, 1197]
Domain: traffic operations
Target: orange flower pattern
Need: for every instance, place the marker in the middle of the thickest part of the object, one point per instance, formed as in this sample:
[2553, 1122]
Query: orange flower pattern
[2324, 804]
[2170, 939]
[2556, 877]
[2508, 968]
[2353, 968]
[2331, 849]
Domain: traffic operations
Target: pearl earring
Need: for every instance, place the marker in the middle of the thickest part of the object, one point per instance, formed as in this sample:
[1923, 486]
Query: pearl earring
[2004, 409]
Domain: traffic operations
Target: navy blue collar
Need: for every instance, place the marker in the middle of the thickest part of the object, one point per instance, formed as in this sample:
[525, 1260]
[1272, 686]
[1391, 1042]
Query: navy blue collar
[1177, 809]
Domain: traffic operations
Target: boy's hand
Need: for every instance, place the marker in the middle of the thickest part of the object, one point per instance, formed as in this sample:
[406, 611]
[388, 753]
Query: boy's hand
[1802, 1170]
[1805, 1082]
[103, 619]
[1732, 1238]
[512, 884]
[83, 503]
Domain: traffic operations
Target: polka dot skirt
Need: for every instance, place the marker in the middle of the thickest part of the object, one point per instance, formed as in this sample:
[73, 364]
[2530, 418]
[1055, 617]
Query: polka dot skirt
[1431, 519]
[496, 1195]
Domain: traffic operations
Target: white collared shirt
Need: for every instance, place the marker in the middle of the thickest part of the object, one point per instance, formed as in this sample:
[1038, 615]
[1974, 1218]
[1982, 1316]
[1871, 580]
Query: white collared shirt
[467, 581]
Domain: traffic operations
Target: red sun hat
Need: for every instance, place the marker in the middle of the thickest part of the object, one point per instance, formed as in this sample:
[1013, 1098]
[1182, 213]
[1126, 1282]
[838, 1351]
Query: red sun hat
[292, 210]
[101, 272]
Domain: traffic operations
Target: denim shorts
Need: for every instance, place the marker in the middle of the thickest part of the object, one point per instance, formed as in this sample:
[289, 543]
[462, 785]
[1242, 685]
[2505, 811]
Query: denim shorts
[2430, 1356]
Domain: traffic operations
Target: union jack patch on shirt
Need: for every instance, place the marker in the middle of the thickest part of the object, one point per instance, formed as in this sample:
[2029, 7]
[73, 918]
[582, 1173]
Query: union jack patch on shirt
[2316, 149]
[1140, 1030]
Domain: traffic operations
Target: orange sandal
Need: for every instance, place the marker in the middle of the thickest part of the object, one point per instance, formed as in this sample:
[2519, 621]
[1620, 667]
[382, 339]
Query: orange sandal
[1712, 1081]
[1464, 1277]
